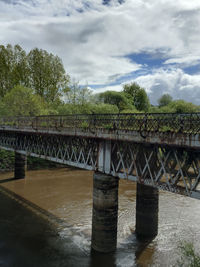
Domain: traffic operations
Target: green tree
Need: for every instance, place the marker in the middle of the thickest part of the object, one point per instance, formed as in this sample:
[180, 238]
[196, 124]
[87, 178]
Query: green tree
[103, 108]
[6, 62]
[164, 100]
[131, 90]
[39, 70]
[137, 95]
[13, 68]
[116, 98]
[47, 75]
[181, 106]
[23, 102]
[77, 95]
[141, 101]
[20, 71]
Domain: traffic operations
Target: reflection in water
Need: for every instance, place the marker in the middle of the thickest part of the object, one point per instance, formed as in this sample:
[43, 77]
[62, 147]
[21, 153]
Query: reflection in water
[47, 218]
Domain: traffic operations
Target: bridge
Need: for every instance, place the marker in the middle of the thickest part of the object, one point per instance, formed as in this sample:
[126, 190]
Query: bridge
[158, 151]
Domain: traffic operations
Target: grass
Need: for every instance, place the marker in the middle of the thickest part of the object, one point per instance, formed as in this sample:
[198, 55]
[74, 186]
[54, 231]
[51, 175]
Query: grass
[188, 256]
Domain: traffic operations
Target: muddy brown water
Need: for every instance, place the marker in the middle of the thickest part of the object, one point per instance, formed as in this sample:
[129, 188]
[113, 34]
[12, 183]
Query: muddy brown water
[45, 220]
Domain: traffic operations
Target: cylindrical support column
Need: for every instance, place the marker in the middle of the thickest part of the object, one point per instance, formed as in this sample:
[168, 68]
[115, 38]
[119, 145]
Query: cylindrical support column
[20, 165]
[146, 211]
[105, 212]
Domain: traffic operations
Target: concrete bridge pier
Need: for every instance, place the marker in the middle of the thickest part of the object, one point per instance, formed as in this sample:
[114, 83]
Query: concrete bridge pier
[105, 212]
[146, 211]
[20, 166]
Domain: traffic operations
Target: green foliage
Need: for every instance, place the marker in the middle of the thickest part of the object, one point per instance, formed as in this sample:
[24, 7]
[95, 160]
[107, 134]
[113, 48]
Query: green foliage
[102, 108]
[115, 98]
[189, 257]
[131, 90]
[177, 106]
[77, 95]
[142, 101]
[134, 110]
[67, 109]
[36, 84]
[21, 101]
[37, 163]
[7, 160]
[39, 70]
[154, 109]
[47, 75]
[13, 68]
[84, 125]
[108, 126]
[164, 100]
[181, 106]
[137, 95]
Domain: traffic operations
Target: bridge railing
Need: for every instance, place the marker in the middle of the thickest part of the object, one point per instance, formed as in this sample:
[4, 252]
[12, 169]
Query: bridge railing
[142, 122]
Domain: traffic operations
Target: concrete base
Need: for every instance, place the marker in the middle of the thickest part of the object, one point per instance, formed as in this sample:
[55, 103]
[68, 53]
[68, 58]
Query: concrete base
[146, 211]
[20, 166]
[105, 213]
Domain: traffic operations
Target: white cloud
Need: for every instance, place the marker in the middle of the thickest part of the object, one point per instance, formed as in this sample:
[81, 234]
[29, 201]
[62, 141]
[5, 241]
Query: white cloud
[188, 60]
[93, 39]
[117, 88]
[174, 82]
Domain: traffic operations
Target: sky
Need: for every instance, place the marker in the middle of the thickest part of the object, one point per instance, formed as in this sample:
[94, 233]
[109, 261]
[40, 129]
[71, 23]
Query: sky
[105, 44]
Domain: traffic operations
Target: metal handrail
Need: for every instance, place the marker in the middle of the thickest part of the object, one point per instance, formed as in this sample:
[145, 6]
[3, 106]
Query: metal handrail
[141, 122]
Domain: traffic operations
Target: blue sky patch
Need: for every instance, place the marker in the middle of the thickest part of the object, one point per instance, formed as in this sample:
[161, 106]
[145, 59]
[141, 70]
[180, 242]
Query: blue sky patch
[192, 69]
[150, 60]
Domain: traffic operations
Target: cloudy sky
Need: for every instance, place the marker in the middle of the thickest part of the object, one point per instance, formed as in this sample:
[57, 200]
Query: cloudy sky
[108, 43]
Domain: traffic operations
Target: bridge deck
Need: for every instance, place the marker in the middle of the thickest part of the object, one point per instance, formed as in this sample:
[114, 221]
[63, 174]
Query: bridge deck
[161, 150]
[167, 129]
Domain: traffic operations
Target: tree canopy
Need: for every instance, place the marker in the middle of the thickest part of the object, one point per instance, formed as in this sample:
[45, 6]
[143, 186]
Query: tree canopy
[137, 95]
[115, 98]
[46, 75]
[21, 101]
[164, 100]
[39, 70]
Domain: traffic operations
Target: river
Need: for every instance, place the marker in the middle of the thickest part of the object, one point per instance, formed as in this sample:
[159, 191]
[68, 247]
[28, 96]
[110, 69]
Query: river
[45, 220]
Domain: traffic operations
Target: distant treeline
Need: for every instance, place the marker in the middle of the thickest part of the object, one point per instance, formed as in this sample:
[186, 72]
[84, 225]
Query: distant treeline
[36, 83]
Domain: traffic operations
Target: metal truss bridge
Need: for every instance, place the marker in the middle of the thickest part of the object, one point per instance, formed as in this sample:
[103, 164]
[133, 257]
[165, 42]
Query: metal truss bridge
[160, 150]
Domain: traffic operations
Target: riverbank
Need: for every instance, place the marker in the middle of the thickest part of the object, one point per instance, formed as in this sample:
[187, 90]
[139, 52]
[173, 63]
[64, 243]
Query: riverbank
[7, 161]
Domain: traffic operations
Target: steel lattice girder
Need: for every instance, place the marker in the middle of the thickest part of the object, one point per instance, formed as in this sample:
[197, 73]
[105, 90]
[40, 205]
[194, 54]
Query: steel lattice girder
[74, 151]
[169, 168]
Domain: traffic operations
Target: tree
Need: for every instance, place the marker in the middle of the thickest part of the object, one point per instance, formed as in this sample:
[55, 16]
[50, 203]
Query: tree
[6, 60]
[20, 71]
[47, 75]
[131, 90]
[137, 95]
[164, 100]
[115, 98]
[21, 101]
[39, 70]
[181, 106]
[13, 68]
[141, 101]
[77, 95]
[102, 108]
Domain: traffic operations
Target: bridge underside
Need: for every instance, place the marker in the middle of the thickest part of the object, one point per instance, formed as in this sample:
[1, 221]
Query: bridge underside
[174, 169]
